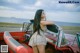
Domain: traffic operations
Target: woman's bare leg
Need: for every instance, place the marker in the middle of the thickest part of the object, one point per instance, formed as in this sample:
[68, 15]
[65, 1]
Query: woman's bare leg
[35, 49]
[41, 48]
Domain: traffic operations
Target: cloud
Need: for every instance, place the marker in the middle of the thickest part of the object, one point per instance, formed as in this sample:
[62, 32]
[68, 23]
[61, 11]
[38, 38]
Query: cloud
[54, 5]
[14, 1]
[49, 5]
[17, 14]
[38, 3]
[78, 9]
[10, 5]
[73, 17]
[27, 8]
[28, 2]
[6, 8]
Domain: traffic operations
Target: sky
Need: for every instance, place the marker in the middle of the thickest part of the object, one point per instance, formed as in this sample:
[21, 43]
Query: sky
[54, 10]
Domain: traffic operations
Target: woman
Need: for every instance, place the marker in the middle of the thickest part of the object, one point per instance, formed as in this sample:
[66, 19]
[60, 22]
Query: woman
[38, 39]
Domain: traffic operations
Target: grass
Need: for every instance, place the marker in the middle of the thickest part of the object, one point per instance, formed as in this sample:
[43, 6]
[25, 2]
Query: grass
[3, 24]
[70, 27]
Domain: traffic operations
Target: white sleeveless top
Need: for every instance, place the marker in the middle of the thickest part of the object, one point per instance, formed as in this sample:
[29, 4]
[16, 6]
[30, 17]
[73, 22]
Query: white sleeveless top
[37, 39]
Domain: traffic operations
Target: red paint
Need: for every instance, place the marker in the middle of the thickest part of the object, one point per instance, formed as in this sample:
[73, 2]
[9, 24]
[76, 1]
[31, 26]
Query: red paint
[22, 49]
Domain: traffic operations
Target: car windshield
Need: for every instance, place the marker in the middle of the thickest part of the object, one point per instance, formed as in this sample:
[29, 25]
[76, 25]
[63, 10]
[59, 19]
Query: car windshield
[78, 39]
[27, 26]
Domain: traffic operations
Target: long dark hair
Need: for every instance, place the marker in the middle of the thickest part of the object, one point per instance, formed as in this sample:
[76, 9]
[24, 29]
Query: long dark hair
[37, 19]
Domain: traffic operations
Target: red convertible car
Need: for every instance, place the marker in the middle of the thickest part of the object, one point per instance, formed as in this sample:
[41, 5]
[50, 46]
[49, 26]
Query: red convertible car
[57, 40]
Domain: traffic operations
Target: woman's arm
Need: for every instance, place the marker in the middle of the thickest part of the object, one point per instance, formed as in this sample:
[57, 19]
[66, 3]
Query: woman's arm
[47, 22]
